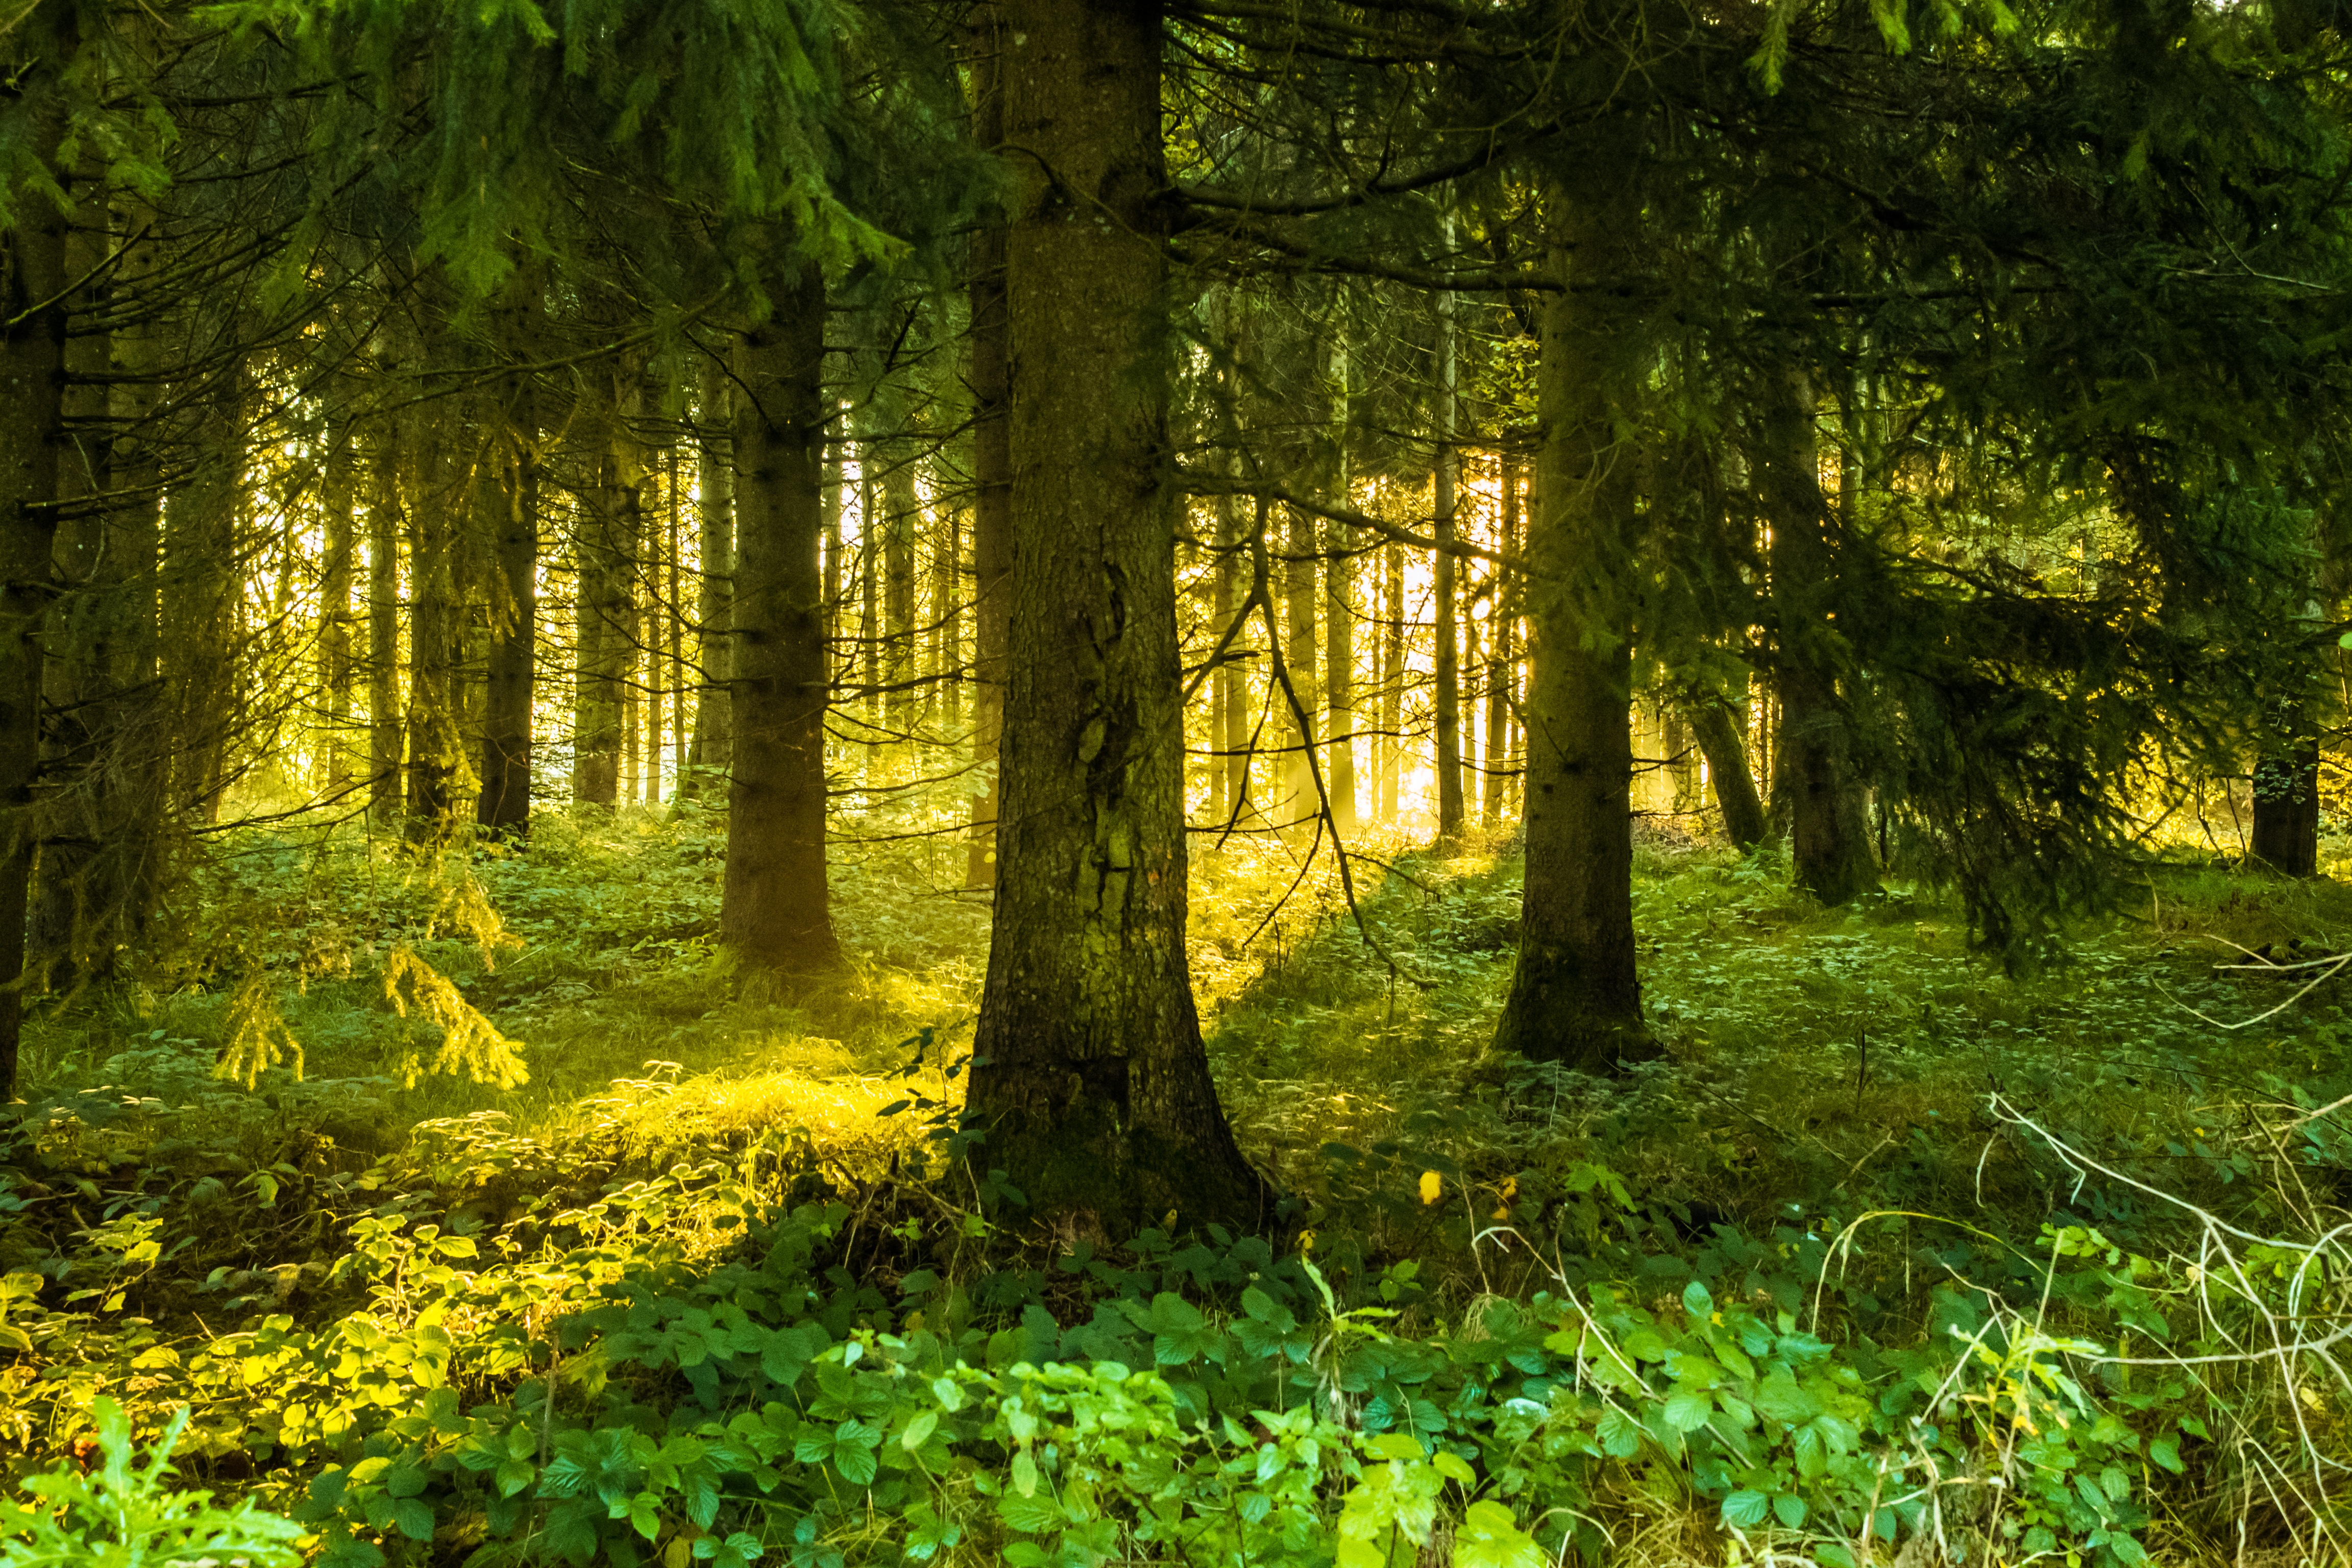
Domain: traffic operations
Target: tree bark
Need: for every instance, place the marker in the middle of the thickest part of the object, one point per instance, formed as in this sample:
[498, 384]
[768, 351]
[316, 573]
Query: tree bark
[32, 361]
[335, 617]
[1446, 718]
[1575, 995]
[992, 477]
[1829, 836]
[713, 748]
[1340, 616]
[1392, 683]
[504, 804]
[1089, 1082]
[386, 733]
[774, 909]
[1715, 726]
[433, 744]
[1502, 655]
[1298, 805]
[2286, 806]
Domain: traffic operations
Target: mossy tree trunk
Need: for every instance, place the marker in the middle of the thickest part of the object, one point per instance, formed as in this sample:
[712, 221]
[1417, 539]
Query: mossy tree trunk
[1089, 1081]
[1715, 725]
[1575, 997]
[774, 910]
[992, 470]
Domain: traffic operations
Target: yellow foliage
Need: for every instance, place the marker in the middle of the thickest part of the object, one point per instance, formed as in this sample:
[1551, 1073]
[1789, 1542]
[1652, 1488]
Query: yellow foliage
[258, 1036]
[470, 1044]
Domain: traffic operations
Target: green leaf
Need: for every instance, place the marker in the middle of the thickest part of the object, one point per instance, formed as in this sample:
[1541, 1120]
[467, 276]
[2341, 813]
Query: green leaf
[2166, 1451]
[1698, 1302]
[1745, 1510]
[1790, 1508]
[1688, 1408]
[514, 1475]
[414, 1519]
[918, 1431]
[1024, 1474]
[1489, 1537]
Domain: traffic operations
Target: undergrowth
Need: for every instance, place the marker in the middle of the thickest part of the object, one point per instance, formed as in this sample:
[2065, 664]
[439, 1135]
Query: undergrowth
[568, 1244]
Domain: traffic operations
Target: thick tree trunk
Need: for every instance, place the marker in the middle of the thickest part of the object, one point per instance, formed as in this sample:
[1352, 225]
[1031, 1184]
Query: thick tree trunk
[774, 911]
[76, 886]
[504, 804]
[608, 620]
[386, 735]
[1575, 996]
[713, 749]
[32, 358]
[1829, 835]
[1089, 1081]
[1715, 725]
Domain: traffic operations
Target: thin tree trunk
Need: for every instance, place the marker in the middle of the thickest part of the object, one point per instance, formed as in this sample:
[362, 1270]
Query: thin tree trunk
[674, 614]
[1339, 618]
[2286, 803]
[337, 500]
[387, 734]
[774, 909]
[1575, 996]
[1089, 1081]
[434, 746]
[869, 594]
[1446, 718]
[1299, 803]
[1829, 835]
[1720, 730]
[712, 752]
[1502, 655]
[1392, 682]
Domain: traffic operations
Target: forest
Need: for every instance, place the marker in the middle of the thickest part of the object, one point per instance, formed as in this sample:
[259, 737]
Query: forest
[1344, 783]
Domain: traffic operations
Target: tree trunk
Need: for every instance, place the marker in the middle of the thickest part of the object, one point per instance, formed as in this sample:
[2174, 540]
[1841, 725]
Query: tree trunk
[1575, 996]
[1502, 655]
[1228, 725]
[991, 478]
[504, 804]
[1717, 728]
[1089, 1081]
[773, 909]
[386, 734]
[902, 513]
[434, 745]
[713, 749]
[1829, 836]
[1299, 805]
[32, 358]
[335, 616]
[2286, 806]
[1392, 684]
[1339, 618]
[1447, 698]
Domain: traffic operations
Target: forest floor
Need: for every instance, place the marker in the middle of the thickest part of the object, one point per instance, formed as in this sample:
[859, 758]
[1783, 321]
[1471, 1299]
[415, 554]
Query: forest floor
[1850, 1096]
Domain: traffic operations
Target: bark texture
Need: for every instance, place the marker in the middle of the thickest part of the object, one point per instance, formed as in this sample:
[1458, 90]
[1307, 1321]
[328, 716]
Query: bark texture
[504, 804]
[774, 910]
[1089, 1082]
[31, 360]
[1575, 996]
[1829, 832]
[1715, 726]
[991, 472]
[2286, 808]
